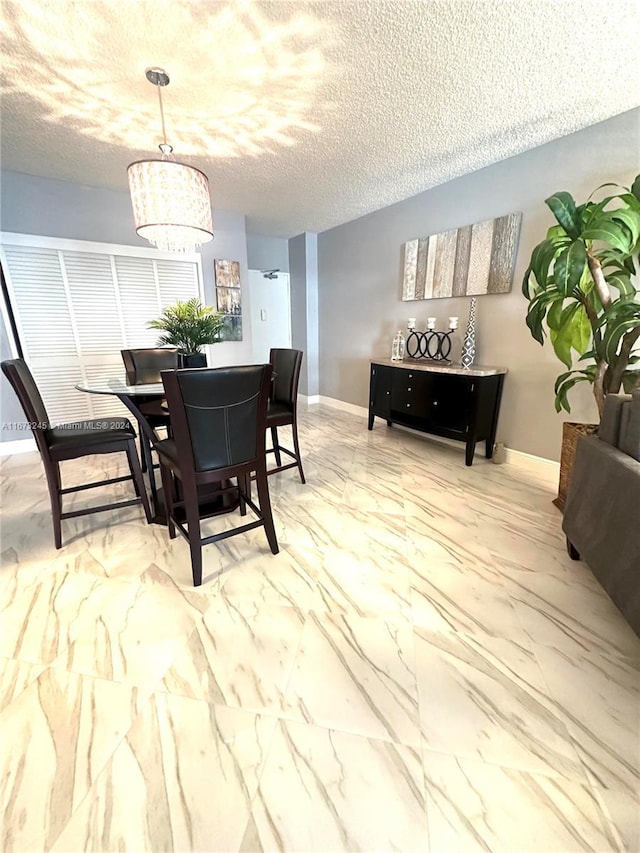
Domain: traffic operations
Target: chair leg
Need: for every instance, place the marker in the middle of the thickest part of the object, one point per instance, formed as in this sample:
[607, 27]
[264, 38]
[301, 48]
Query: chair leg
[276, 445]
[148, 467]
[133, 479]
[136, 476]
[192, 511]
[143, 455]
[54, 484]
[265, 507]
[167, 489]
[296, 449]
[242, 491]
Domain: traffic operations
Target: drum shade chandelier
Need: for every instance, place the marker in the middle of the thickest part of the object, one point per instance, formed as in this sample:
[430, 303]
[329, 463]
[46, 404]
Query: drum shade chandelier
[171, 203]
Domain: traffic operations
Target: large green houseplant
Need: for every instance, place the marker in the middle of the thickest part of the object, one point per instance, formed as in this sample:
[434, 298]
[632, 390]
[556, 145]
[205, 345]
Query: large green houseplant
[582, 284]
[189, 326]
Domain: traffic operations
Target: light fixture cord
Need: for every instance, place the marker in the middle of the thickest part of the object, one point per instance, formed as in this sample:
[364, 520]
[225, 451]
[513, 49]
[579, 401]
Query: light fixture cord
[164, 132]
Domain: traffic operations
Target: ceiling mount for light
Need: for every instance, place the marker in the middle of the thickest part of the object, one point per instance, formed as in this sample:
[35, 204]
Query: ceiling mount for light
[157, 76]
[171, 203]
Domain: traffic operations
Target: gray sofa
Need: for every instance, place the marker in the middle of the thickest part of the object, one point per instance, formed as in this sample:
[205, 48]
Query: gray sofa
[602, 513]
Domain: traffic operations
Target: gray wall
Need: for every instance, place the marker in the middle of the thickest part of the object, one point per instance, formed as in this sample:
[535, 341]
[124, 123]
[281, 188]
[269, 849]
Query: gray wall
[51, 208]
[312, 354]
[360, 277]
[267, 253]
[303, 278]
[298, 290]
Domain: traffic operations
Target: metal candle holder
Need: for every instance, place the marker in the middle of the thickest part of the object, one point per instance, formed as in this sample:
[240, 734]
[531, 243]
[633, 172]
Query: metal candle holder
[431, 344]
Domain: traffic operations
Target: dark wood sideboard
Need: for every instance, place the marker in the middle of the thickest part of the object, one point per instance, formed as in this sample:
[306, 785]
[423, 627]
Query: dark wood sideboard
[444, 400]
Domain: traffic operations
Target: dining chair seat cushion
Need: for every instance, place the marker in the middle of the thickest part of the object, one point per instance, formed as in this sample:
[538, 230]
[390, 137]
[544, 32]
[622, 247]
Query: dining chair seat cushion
[86, 433]
[167, 447]
[155, 410]
[278, 410]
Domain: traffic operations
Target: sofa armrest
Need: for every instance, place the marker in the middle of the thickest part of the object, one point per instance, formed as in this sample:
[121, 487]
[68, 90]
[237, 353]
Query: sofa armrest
[602, 520]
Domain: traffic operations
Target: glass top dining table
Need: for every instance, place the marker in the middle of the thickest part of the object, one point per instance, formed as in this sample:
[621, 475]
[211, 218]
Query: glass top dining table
[134, 398]
[118, 386]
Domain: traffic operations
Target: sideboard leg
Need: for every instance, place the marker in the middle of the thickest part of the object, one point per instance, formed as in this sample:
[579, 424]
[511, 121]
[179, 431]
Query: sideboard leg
[389, 423]
[471, 449]
[371, 417]
[489, 448]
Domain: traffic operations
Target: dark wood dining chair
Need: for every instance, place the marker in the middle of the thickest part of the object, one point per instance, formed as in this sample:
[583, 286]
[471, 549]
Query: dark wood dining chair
[218, 419]
[143, 367]
[71, 441]
[283, 407]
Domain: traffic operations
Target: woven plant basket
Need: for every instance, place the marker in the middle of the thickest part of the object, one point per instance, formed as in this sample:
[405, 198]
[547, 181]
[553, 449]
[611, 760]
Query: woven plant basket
[570, 435]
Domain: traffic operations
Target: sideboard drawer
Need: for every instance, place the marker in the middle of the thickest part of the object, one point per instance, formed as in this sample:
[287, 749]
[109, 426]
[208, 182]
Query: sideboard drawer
[410, 392]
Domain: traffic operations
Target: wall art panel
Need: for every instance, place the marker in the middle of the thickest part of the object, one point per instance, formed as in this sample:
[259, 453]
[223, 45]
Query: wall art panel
[229, 298]
[470, 261]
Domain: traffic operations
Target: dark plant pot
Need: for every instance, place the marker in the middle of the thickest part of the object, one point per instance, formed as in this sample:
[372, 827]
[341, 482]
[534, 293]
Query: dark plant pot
[192, 359]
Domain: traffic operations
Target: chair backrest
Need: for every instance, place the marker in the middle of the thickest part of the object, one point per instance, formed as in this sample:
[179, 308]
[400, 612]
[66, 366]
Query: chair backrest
[143, 366]
[286, 364]
[218, 415]
[17, 372]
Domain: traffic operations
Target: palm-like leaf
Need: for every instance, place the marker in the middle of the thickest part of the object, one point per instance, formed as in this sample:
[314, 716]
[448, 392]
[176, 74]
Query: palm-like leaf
[188, 326]
[582, 285]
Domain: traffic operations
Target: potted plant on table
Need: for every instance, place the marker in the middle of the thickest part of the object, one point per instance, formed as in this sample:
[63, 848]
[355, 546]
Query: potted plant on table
[189, 326]
[582, 285]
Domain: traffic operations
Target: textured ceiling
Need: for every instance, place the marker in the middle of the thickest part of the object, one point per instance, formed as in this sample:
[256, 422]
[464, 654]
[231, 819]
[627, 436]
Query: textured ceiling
[305, 115]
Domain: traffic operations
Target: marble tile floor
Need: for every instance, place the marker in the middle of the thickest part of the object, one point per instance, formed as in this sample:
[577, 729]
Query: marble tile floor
[422, 667]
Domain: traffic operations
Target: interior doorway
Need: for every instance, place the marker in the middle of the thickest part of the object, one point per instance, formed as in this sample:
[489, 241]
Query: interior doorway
[270, 311]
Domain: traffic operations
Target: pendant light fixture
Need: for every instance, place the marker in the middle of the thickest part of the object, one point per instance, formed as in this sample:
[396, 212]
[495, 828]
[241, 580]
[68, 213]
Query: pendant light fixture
[171, 203]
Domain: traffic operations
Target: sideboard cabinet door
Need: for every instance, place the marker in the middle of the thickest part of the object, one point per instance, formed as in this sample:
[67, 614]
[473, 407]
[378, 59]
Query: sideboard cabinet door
[380, 393]
[451, 403]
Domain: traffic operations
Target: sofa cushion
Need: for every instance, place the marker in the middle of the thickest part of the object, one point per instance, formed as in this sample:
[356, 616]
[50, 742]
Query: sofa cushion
[609, 429]
[629, 440]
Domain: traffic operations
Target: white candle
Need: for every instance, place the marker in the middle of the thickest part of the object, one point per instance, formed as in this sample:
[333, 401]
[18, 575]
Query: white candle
[453, 323]
[431, 323]
[411, 323]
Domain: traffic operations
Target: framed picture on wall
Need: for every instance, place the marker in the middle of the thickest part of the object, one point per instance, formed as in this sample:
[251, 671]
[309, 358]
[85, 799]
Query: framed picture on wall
[229, 298]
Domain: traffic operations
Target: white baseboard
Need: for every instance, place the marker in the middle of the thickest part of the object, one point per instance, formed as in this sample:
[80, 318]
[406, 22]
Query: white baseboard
[532, 463]
[517, 458]
[314, 399]
[20, 445]
[351, 408]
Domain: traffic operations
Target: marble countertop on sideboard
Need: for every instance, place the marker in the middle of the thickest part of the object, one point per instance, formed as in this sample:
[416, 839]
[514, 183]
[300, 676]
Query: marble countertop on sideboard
[437, 367]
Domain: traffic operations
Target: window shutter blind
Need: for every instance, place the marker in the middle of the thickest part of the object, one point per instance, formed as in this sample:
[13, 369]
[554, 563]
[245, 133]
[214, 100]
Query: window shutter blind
[140, 300]
[177, 280]
[75, 310]
[43, 317]
[41, 303]
[95, 309]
